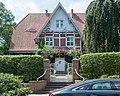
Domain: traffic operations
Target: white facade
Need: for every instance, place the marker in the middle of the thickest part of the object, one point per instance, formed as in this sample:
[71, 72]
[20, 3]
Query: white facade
[60, 15]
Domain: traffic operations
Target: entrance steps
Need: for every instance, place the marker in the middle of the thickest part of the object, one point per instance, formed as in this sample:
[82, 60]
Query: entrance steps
[52, 86]
[61, 72]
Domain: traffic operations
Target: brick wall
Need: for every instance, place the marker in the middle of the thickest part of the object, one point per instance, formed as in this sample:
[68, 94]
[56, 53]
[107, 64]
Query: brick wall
[37, 85]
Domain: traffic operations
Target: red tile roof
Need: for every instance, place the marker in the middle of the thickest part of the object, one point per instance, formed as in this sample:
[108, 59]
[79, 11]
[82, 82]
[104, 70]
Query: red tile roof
[23, 41]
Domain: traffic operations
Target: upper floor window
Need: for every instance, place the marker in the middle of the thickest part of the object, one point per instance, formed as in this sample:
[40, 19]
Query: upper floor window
[70, 41]
[49, 41]
[59, 23]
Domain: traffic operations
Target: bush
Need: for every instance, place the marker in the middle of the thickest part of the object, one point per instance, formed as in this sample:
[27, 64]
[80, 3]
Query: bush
[96, 64]
[26, 66]
[112, 77]
[11, 85]
[52, 53]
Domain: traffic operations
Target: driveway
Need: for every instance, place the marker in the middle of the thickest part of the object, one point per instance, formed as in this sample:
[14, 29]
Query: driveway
[38, 95]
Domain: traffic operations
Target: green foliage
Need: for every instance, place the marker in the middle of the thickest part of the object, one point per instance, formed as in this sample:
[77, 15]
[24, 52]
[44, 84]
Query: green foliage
[74, 53]
[96, 64]
[112, 77]
[46, 52]
[11, 85]
[6, 28]
[52, 53]
[102, 27]
[26, 66]
[104, 76]
[41, 44]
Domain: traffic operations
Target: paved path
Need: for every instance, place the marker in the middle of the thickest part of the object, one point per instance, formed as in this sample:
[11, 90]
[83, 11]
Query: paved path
[38, 95]
[61, 79]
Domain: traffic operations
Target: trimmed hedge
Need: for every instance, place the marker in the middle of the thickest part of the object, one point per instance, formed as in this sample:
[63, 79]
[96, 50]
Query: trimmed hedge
[96, 64]
[26, 66]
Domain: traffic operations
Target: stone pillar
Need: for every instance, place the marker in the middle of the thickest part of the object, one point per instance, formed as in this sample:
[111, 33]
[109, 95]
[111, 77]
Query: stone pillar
[75, 65]
[47, 66]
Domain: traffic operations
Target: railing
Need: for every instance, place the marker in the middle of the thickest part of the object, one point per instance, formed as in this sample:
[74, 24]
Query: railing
[69, 68]
[52, 69]
[42, 74]
[79, 75]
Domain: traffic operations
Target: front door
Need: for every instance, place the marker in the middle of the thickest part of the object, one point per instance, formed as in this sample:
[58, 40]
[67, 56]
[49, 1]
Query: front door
[59, 64]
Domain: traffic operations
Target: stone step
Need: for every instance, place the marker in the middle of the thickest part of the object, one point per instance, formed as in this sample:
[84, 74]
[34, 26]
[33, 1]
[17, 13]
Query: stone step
[54, 85]
[41, 92]
[59, 83]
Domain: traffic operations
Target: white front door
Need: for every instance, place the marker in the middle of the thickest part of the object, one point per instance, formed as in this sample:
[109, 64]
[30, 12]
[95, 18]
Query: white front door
[59, 64]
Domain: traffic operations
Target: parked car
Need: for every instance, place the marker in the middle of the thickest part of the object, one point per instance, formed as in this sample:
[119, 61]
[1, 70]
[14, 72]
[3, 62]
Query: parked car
[95, 87]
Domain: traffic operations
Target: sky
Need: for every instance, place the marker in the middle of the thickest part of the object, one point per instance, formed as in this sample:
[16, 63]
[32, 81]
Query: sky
[20, 8]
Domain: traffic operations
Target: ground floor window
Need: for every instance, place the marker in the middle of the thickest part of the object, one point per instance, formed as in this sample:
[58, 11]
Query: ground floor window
[70, 41]
[49, 41]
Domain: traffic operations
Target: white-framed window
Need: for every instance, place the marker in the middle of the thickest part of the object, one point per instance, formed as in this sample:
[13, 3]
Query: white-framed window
[70, 41]
[59, 23]
[49, 41]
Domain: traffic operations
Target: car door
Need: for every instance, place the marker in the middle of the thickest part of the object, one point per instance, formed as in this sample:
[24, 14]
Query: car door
[80, 90]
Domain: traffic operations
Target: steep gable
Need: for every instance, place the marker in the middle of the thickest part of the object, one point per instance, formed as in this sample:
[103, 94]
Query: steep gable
[59, 13]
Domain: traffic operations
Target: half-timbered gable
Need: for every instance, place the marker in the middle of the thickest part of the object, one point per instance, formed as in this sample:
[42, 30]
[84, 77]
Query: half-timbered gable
[60, 31]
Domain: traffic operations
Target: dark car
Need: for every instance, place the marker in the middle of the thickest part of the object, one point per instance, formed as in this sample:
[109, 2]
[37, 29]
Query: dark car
[95, 87]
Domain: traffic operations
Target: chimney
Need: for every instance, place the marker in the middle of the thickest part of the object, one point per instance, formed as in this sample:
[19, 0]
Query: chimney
[72, 13]
[46, 11]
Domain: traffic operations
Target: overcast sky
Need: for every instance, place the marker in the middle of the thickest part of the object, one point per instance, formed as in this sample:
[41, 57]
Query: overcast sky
[20, 8]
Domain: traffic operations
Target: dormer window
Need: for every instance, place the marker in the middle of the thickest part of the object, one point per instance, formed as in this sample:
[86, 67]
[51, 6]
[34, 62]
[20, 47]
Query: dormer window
[59, 23]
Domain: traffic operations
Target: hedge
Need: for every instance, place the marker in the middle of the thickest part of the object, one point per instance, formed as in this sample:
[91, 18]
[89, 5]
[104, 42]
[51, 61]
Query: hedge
[11, 85]
[26, 66]
[96, 64]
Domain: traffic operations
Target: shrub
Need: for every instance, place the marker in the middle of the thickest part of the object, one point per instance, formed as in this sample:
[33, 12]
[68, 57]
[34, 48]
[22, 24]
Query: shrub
[96, 64]
[52, 53]
[26, 66]
[112, 77]
[11, 85]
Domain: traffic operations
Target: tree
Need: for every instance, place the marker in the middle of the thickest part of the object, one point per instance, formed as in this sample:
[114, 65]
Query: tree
[6, 28]
[102, 26]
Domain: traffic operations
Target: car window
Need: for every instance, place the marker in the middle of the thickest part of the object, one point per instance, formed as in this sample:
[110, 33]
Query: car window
[101, 86]
[84, 87]
[117, 85]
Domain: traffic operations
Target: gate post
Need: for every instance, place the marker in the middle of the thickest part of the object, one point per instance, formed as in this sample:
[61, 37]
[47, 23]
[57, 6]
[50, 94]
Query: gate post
[47, 66]
[75, 65]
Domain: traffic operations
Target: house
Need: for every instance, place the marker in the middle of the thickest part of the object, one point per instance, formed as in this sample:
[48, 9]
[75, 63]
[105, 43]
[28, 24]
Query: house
[59, 29]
